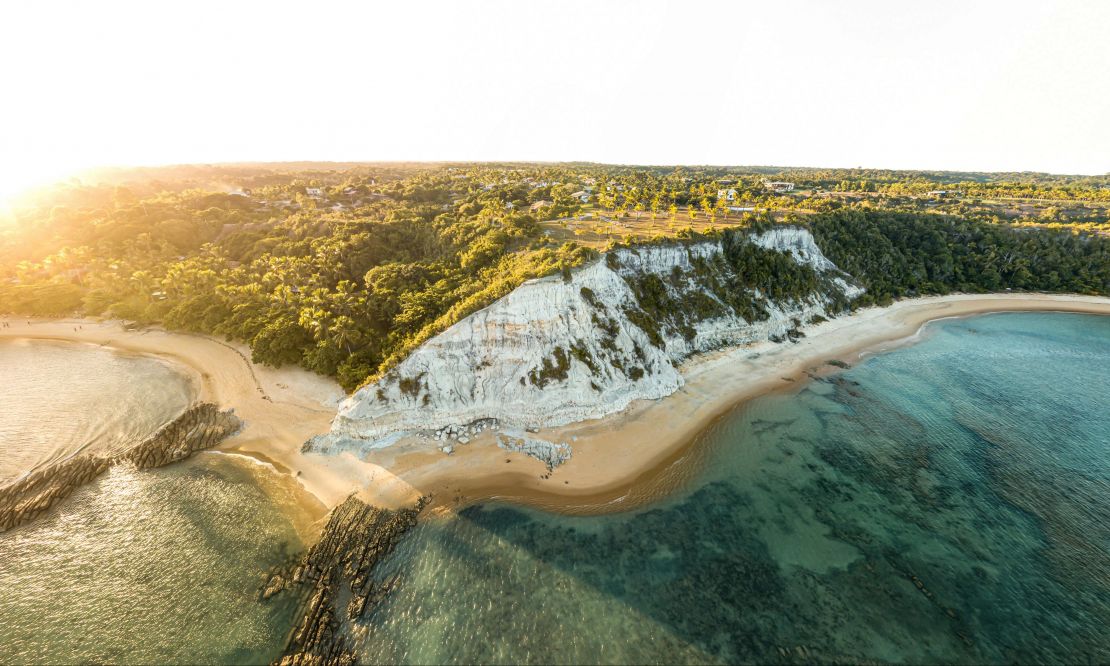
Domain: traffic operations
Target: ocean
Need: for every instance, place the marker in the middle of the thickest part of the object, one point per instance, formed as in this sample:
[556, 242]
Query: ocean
[947, 502]
[143, 567]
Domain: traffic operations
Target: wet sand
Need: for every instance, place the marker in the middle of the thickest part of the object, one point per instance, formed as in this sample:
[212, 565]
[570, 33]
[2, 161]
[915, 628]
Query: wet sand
[618, 461]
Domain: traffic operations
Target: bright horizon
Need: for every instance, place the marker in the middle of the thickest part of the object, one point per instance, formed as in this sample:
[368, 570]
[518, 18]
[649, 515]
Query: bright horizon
[990, 86]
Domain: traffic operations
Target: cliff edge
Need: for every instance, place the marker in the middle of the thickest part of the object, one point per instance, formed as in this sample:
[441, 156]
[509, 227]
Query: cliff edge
[563, 349]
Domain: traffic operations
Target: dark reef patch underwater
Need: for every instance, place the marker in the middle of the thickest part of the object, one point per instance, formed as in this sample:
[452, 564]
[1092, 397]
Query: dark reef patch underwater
[946, 502]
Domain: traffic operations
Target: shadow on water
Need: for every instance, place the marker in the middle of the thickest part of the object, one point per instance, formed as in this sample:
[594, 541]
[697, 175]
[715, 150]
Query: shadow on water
[933, 505]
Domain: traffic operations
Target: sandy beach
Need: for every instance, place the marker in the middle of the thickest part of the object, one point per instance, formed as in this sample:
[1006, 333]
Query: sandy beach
[634, 456]
[618, 461]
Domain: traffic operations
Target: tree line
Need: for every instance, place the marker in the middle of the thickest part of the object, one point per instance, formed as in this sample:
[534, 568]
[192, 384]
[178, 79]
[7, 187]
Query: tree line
[344, 272]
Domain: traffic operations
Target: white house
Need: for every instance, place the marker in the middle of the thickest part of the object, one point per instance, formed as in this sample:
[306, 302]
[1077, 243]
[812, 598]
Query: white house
[314, 192]
[727, 195]
[582, 196]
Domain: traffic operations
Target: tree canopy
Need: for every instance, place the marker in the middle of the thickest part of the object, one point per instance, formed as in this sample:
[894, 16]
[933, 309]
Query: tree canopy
[344, 269]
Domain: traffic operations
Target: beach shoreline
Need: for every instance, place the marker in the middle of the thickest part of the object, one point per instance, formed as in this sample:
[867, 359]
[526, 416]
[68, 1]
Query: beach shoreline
[625, 460]
[619, 462]
[279, 408]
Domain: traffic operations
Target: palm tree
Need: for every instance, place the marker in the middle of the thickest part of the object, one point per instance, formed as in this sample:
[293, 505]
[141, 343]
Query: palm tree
[707, 207]
[344, 331]
[315, 320]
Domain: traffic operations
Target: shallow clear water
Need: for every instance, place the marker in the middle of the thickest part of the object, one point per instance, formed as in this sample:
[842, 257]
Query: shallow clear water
[945, 502]
[59, 398]
[151, 566]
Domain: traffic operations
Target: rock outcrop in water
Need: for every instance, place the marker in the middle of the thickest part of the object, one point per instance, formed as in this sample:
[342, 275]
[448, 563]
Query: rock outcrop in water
[335, 577]
[563, 349]
[200, 427]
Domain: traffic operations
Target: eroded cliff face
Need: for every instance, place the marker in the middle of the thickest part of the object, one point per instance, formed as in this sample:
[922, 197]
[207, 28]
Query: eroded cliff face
[556, 351]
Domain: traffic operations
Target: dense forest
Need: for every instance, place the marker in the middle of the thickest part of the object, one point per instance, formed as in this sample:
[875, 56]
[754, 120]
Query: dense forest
[906, 254]
[344, 269]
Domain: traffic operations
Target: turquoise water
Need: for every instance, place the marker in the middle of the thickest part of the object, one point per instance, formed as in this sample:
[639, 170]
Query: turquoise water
[945, 502]
[147, 567]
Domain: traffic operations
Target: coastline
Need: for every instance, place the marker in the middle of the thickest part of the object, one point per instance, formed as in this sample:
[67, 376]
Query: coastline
[618, 462]
[625, 460]
[279, 408]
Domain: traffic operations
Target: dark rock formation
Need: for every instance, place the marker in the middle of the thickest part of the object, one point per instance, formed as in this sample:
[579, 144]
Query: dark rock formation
[200, 427]
[335, 580]
[38, 491]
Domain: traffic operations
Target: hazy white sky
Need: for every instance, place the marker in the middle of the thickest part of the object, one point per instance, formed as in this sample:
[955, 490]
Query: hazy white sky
[953, 85]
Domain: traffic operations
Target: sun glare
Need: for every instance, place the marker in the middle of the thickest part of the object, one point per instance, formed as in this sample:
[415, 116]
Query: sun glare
[16, 180]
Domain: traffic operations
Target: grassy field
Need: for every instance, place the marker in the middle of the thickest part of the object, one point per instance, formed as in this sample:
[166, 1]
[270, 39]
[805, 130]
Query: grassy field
[597, 228]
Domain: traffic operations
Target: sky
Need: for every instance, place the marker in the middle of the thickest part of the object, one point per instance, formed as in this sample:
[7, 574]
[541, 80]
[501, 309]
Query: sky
[1012, 85]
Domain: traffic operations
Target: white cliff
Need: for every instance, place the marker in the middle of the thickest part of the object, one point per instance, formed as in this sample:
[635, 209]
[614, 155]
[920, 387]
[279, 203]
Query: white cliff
[557, 351]
[798, 242]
